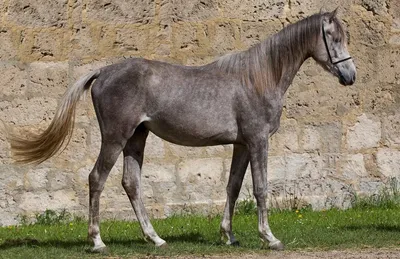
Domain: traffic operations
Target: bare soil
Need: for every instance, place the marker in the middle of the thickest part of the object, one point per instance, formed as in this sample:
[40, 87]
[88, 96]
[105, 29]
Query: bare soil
[369, 253]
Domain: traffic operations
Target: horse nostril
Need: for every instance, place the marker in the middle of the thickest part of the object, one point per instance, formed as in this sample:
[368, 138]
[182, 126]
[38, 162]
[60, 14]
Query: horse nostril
[353, 79]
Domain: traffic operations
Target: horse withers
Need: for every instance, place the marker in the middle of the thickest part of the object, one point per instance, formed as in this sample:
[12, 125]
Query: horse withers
[236, 99]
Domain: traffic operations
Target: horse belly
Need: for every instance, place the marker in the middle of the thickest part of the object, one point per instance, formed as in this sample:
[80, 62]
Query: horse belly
[194, 133]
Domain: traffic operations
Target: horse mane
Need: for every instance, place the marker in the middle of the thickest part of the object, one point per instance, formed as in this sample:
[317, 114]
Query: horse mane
[262, 65]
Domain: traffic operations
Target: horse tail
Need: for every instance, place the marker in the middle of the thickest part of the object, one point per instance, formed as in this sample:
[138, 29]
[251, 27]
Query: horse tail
[35, 149]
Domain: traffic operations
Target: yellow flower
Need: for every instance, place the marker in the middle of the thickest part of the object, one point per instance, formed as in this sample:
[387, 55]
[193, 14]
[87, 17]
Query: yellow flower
[300, 216]
[297, 211]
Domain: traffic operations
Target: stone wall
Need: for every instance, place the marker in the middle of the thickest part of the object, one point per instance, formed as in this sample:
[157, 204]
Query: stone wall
[334, 140]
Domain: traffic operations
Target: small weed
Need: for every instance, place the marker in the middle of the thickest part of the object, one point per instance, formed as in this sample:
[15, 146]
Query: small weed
[387, 198]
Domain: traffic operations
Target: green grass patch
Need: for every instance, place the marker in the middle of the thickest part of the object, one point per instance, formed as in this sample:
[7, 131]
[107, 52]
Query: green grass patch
[186, 235]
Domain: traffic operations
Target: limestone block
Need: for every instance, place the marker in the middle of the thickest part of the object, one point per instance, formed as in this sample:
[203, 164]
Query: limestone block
[366, 133]
[133, 40]
[8, 219]
[353, 167]
[223, 37]
[286, 138]
[311, 138]
[201, 178]
[386, 61]
[185, 38]
[391, 130]
[376, 7]
[303, 166]
[276, 168]
[381, 98]
[63, 199]
[207, 170]
[220, 151]
[188, 10]
[366, 29]
[38, 13]
[183, 151]
[34, 201]
[255, 32]
[48, 79]
[121, 11]
[161, 180]
[253, 10]
[36, 179]
[154, 147]
[114, 198]
[8, 48]
[59, 180]
[317, 93]
[48, 45]
[74, 155]
[388, 161]
[30, 112]
[84, 43]
[394, 11]
[13, 81]
[371, 186]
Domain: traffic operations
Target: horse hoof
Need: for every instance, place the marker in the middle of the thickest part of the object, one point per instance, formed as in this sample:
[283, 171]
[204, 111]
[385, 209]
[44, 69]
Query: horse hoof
[163, 246]
[277, 246]
[235, 243]
[100, 250]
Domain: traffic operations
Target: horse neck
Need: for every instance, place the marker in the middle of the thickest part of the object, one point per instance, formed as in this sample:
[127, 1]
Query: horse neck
[289, 58]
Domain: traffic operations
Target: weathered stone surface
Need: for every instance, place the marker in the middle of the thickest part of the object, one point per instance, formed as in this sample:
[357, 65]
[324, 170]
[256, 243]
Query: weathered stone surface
[8, 49]
[391, 130]
[388, 161]
[366, 133]
[311, 139]
[188, 10]
[48, 79]
[303, 166]
[333, 140]
[13, 81]
[255, 32]
[121, 11]
[201, 179]
[316, 93]
[18, 112]
[286, 138]
[132, 40]
[253, 10]
[223, 37]
[43, 13]
[36, 179]
[353, 167]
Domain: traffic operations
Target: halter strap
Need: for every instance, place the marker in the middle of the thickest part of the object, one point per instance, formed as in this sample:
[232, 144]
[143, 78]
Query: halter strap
[327, 49]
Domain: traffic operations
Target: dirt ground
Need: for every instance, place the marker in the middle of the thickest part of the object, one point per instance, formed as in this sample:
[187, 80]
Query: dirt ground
[393, 253]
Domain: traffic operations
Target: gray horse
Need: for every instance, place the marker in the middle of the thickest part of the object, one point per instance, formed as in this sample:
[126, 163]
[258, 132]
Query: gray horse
[235, 100]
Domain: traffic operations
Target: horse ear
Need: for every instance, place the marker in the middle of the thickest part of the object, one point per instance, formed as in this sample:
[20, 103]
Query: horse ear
[333, 14]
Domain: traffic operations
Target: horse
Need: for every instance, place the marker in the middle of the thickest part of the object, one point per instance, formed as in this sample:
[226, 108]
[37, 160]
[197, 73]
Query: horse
[236, 99]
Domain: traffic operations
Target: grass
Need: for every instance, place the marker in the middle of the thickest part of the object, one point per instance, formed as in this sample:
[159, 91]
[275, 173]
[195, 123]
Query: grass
[372, 222]
[332, 229]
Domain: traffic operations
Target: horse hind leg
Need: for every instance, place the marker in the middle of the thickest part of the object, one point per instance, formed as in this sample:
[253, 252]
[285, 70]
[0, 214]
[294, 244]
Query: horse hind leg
[108, 156]
[133, 160]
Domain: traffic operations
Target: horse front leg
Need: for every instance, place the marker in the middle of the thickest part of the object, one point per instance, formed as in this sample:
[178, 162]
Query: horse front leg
[240, 161]
[258, 161]
[133, 160]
